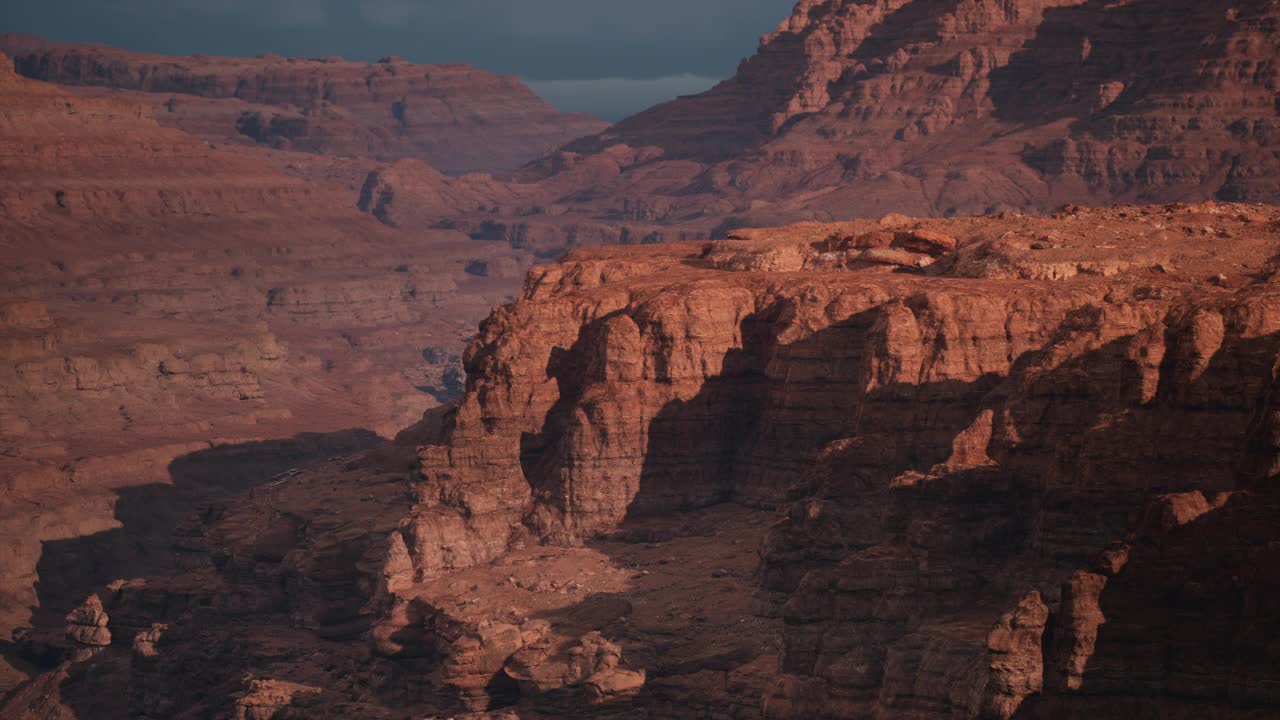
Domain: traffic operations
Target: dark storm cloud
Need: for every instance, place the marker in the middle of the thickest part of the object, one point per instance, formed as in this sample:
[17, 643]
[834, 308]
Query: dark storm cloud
[629, 49]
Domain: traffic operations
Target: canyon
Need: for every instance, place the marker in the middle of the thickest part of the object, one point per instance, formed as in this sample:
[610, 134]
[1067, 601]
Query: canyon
[163, 300]
[1002, 466]
[849, 109]
[1004, 447]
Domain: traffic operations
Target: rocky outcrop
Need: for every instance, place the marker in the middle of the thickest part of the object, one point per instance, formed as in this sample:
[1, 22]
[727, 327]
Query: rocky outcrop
[989, 431]
[935, 108]
[457, 118]
[1031, 478]
[87, 627]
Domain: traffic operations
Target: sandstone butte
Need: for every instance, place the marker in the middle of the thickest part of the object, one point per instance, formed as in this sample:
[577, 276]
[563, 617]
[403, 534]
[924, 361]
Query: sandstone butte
[982, 467]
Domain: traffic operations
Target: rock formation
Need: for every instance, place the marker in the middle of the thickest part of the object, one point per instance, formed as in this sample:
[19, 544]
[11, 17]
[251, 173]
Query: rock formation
[992, 466]
[849, 109]
[455, 117]
[172, 314]
[855, 108]
[776, 477]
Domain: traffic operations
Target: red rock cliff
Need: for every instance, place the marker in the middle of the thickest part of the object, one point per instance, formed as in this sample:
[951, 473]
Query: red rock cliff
[1018, 467]
[855, 107]
[160, 299]
[984, 461]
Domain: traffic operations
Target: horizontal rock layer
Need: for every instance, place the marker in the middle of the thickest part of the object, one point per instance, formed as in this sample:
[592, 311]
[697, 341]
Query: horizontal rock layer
[1028, 478]
[952, 445]
[164, 304]
[455, 117]
[856, 108]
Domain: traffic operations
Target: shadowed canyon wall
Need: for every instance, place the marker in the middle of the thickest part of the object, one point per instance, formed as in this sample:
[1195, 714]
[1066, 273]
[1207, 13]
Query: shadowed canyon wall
[1021, 468]
[997, 466]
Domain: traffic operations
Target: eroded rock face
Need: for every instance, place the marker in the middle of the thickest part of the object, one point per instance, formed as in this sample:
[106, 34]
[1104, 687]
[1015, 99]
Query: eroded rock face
[87, 627]
[457, 118]
[981, 442]
[964, 106]
[988, 442]
[1030, 479]
[848, 109]
[853, 108]
[172, 316]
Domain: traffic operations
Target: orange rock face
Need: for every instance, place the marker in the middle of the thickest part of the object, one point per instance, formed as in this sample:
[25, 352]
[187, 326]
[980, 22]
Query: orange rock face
[855, 108]
[849, 109]
[457, 118]
[954, 444]
[1031, 479]
[933, 108]
[996, 466]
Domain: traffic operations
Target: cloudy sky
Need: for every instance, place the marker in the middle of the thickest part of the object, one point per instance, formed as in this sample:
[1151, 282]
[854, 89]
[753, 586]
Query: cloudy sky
[603, 56]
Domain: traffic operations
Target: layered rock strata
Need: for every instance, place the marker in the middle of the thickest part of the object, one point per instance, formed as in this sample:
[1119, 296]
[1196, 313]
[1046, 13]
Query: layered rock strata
[455, 117]
[968, 443]
[854, 108]
[166, 305]
[1024, 470]
[848, 109]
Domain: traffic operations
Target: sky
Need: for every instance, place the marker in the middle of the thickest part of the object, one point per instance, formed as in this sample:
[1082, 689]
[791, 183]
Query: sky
[603, 56]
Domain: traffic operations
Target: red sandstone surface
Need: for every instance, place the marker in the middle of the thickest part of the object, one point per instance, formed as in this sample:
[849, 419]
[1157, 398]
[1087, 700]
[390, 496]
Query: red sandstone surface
[855, 108]
[849, 109]
[165, 306]
[455, 117]
[996, 467]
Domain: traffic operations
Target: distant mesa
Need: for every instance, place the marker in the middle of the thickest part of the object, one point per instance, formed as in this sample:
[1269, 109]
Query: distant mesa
[455, 117]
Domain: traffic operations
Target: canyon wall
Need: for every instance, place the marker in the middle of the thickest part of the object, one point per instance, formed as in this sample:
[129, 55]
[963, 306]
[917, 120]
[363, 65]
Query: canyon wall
[163, 300]
[857, 108]
[993, 466]
[986, 467]
[849, 109]
[1009, 469]
[935, 108]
